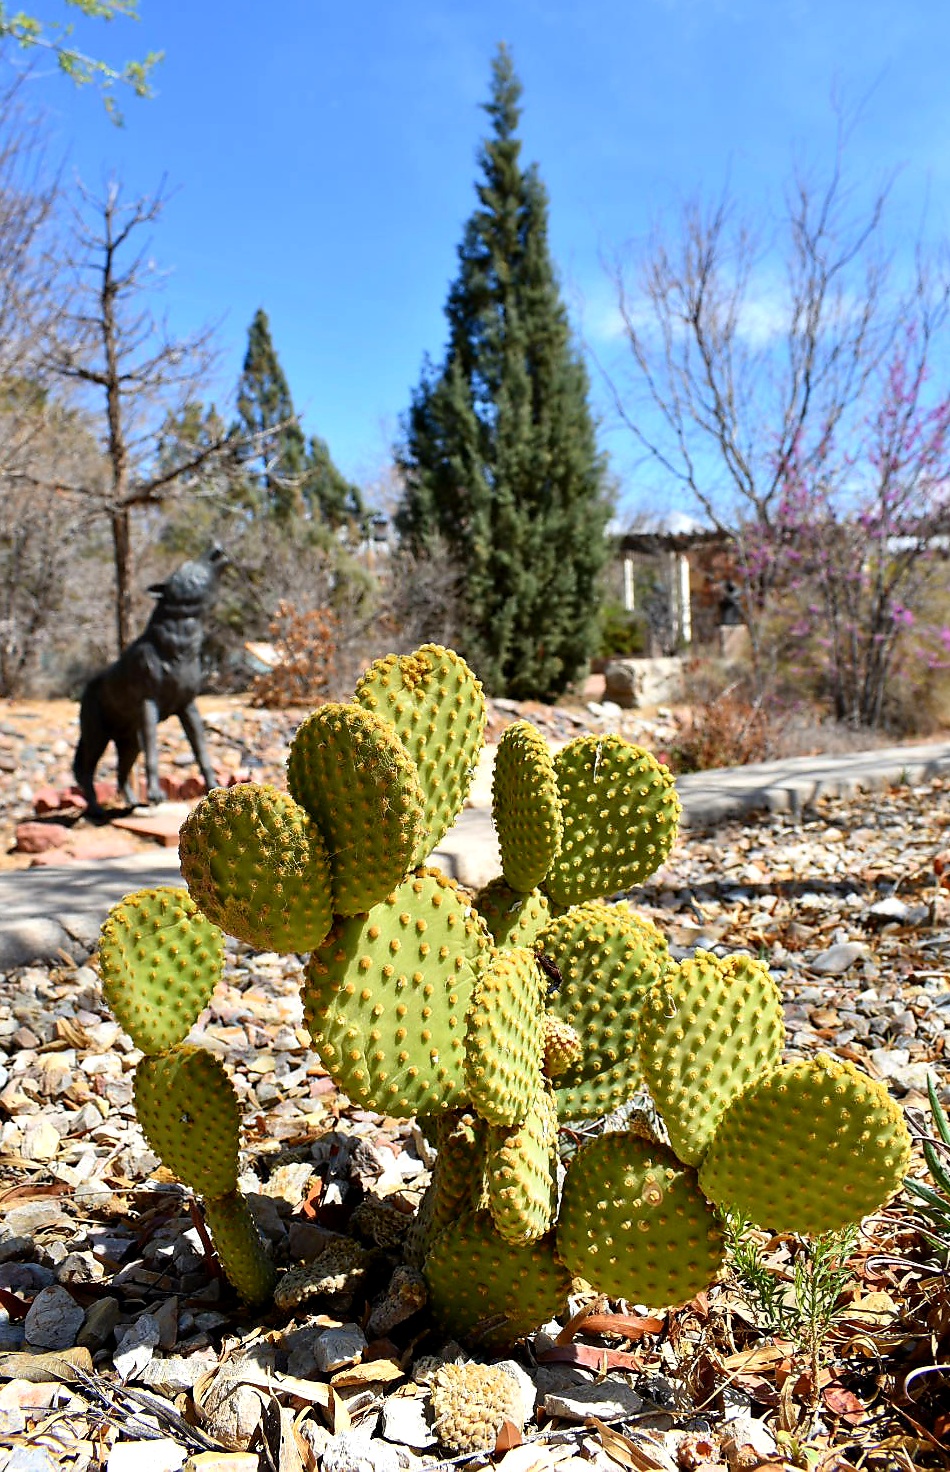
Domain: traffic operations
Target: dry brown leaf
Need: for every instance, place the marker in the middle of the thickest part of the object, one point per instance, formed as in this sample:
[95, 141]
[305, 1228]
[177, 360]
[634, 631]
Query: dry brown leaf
[589, 1357]
[61, 1364]
[509, 1436]
[645, 1453]
[368, 1372]
[763, 1357]
[529, 1457]
[625, 1326]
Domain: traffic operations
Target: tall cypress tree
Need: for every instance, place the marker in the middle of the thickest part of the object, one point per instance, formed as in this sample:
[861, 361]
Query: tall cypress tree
[499, 454]
[265, 408]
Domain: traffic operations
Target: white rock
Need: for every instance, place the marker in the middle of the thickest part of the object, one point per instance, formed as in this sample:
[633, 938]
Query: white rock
[894, 1064]
[837, 959]
[161, 1455]
[54, 1319]
[608, 1400]
[178, 1372]
[335, 1348]
[404, 1421]
[748, 1431]
[137, 1346]
[40, 1141]
[354, 1451]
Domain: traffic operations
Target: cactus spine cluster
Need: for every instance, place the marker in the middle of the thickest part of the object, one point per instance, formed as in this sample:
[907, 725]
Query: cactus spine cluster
[496, 1020]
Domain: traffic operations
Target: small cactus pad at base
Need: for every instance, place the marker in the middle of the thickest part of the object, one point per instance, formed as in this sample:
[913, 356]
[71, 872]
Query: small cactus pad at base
[521, 1172]
[634, 1223]
[525, 806]
[456, 1183]
[240, 1247]
[351, 772]
[620, 813]
[608, 957]
[514, 919]
[160, 959]
[485, 1291]
[708, 1029]
[810, 1148]
[504, 1038]
[255, 862]
[386, 995]
[189, 1112]
[438, 709]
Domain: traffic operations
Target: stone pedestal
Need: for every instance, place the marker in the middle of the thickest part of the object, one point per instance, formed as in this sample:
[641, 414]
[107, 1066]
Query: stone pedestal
[633, 683]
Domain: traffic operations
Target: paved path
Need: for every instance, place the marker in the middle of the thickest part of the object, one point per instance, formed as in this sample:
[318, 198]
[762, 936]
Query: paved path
[47, 911]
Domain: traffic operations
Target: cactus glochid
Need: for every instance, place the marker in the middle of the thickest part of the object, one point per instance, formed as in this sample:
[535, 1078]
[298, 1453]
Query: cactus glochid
[493, 1020]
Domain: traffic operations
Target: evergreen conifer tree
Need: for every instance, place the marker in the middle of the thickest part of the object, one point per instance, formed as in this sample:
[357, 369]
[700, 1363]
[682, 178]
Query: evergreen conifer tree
[499, 455]
[327, 491]
[265, 408]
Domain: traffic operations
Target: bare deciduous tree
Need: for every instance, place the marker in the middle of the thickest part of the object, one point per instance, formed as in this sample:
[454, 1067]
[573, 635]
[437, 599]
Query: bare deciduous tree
[131, 372]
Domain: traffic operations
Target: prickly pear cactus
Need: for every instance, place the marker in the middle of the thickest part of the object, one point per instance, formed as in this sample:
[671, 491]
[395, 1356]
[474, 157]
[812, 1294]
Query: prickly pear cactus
[493, 1021]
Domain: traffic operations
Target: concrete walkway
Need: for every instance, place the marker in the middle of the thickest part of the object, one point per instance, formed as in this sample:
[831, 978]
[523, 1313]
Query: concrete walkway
[51, 911]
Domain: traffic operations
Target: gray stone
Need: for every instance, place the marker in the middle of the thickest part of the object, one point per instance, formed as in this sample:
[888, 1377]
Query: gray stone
[101, 1318]
[160, 1455]
[137, 1346]
[178, 1372]
[354, 1451]
[631, 683]
[335, 1348]
[54, 1319]
[839, 958]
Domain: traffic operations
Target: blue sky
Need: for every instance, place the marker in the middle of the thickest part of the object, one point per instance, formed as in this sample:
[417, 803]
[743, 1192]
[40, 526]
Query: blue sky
[324, 157]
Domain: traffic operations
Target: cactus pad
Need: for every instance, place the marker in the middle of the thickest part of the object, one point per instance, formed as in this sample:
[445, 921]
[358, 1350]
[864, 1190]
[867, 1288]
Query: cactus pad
[255, 862]
[160, 959]
[385, 998]
[525, 806]
[489, 1292]
[504, 1039]
[620, 812]
[521, 1172]
[438, 709]
[349, 770]
[563, 1048]
[608, 957]
[708, 1029]
[240, 1246]
[456, 1183]
[514, 919]
[634, 1223]
[811, 1147]
[189, 1112]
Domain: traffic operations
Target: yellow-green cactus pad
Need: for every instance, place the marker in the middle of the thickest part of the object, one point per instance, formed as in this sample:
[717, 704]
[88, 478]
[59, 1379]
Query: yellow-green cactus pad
[189, 1112]
[386, 996]
[438, 709]
[708, 1029]
[514, 919]
[525, 806]
[255, 862]
[521, 1172]
[240, 1247]
[456, 1183]
[351, 772]
[159, 958]
[488, 1292]
[608, 958]
[810, 1148]
[504, 1039]
[620, 813]
[634, 1223]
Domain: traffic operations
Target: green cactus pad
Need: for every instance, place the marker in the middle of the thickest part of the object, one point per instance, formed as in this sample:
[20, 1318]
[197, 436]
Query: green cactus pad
[620, 812]
[634, 1223]
[708, 1029]
[521, 1172]
[438, 709]
[240, 1247]
[456, 1184]
[160, 959]
[489, 1292]
[189, 1112]
[810, 1148]
[525, 806]
[386, 995]
[608, 957]
[514, 919]
[255, 862]
[351, 772]
[504, 1038]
